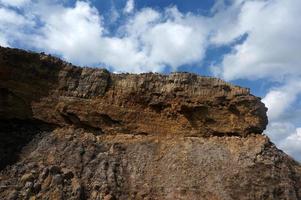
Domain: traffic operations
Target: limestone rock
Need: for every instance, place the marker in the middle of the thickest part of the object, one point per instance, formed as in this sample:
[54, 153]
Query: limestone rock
[180, 103]
[85, 133]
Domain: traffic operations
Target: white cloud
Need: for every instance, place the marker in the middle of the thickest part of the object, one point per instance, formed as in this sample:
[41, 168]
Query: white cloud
[226, 23]
[272, 47]
[278, 100]
[142, 22]
[12, 26]
[11, 18]
[292, 144]
[174, 44]
[14, 3]
[278, 131]
[286, 136]
[129, 7]
[72, 32]
[282, 113]
[161, 39]
[148, 41]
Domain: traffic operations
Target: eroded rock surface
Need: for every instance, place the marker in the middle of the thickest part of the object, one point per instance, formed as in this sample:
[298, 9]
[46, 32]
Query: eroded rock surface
[84, 133]
[38, 86]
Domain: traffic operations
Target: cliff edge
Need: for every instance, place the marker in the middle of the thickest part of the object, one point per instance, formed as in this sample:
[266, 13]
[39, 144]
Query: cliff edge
[85, 133]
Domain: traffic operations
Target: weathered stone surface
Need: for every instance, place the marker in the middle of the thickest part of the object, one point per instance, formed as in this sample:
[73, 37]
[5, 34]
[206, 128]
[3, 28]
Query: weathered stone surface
[83, 133]
[48, 89]
[124, 166]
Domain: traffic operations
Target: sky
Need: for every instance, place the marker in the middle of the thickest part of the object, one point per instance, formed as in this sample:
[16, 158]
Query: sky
[251, 43]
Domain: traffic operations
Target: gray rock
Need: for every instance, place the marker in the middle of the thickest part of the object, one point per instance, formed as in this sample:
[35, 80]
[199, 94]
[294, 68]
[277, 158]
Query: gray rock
[28, 185]
[57, 179]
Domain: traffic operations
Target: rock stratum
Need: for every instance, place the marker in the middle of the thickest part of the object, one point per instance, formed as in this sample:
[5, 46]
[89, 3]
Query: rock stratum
[83, 133]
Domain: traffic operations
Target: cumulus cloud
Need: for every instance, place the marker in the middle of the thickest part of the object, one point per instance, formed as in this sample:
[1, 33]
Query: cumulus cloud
[279, 131]
[73, 32]
[278, 100]
[168, 39]
[287, 137]
[292, 144]
[12, 25]
[283, 116]
[271, 49]
[148, 40]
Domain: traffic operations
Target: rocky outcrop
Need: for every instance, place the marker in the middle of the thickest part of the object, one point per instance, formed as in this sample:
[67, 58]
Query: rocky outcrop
[85, 133]
[37, 86]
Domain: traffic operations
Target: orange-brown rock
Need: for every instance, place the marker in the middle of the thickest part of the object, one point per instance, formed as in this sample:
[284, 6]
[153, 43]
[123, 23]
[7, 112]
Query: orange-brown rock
[37, 86]
[85, 133]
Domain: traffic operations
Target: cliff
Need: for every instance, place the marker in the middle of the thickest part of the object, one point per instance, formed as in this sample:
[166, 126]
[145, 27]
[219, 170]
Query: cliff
[84, 133]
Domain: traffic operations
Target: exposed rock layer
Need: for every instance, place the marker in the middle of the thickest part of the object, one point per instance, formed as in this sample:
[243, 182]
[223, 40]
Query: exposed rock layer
[88, 134]
[36, 86]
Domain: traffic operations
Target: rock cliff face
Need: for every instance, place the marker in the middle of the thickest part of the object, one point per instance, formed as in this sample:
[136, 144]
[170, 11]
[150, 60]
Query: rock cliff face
[82, 133]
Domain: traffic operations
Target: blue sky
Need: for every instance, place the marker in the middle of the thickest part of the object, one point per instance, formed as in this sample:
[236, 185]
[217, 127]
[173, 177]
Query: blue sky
[252, 43]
